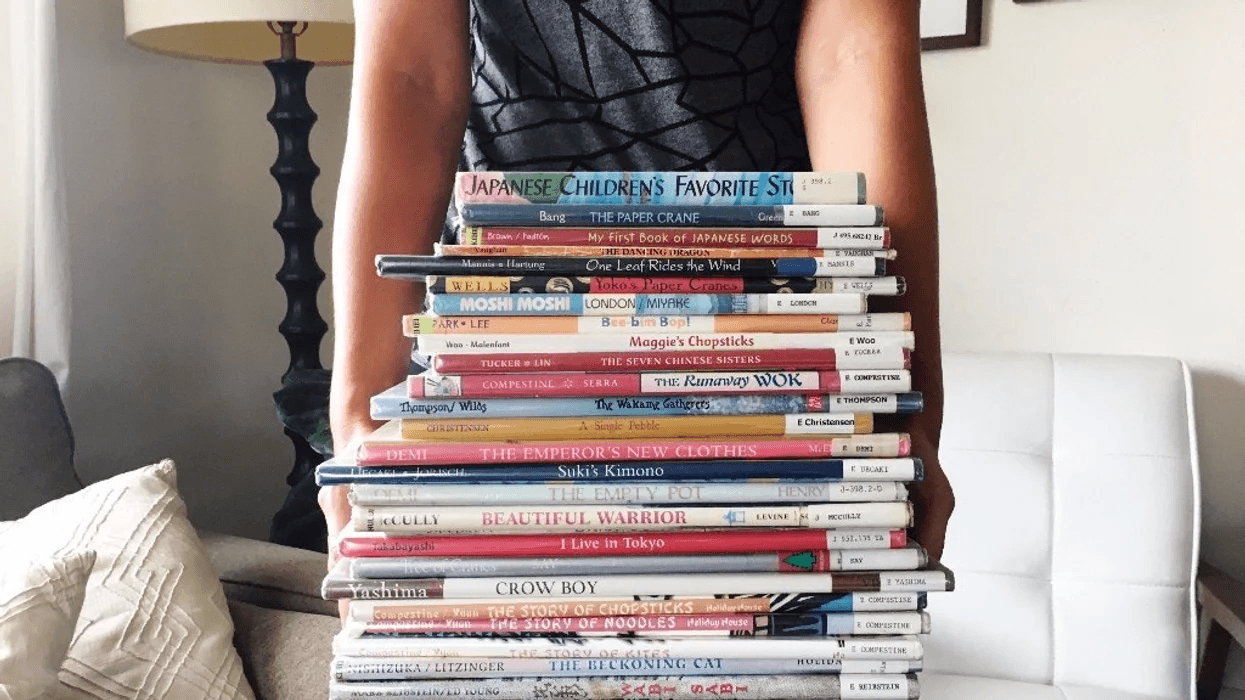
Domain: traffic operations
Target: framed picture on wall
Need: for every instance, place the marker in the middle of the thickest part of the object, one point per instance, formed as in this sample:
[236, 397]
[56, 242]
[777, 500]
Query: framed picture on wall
[950, 24]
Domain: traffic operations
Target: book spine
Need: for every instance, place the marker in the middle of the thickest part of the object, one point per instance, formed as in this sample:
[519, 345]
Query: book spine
[864, 237]
[688, 687]
[773, 562]
[401, 406]
[861, 623]
[622, 544]
[635, 493]
[639, 625]
[837, 648]
[608, 385]
[535, 284]
[579, 428]
[723, 625]
[725, 471]
[545, 518]
[379, 453]
[419, 266]
[602, 251]
[834, 358]
[642, 304]
[414, 325]
[335, 587]
[347, 668]
[661, 342]
[802, 603]
[660, 187]
[643, 215]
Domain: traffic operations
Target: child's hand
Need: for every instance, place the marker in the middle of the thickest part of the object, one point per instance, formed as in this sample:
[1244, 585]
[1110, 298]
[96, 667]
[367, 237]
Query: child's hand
[933, 497]
[333, 499]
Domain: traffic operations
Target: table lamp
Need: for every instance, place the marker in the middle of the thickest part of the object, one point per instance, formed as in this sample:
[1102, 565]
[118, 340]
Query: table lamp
[288, 37]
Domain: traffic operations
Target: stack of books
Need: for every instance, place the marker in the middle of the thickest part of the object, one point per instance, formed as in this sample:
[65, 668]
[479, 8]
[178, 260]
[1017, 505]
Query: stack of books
[657, 451]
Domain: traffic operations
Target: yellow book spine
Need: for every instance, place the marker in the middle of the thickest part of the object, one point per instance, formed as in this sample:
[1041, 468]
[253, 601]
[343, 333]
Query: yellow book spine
[592, 428]
[414, 325]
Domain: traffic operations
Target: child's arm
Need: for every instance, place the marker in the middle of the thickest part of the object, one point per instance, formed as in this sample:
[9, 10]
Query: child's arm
[858, 70]
[408, 110]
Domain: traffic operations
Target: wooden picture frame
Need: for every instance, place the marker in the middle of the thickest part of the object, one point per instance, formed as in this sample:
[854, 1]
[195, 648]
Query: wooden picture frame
[950, 24]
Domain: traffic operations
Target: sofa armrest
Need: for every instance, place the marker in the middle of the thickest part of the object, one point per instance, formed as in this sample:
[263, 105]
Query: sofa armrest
[269, 575]
[1222, 601]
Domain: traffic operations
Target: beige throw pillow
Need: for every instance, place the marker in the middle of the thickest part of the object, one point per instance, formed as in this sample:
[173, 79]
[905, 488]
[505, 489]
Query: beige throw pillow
[39, 604]
[154, 623]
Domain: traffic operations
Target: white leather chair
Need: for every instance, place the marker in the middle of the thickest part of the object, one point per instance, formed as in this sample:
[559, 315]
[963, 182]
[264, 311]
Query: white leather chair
[1074, 539]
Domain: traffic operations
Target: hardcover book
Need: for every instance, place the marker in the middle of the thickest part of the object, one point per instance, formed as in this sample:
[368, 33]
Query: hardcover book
[674, 215]
[863, 237]
[684, 687]
[537, 606]
[660, 187]
[544, 284]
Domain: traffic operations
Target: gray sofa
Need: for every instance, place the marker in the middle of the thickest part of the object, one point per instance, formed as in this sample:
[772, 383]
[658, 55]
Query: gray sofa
[283, 628]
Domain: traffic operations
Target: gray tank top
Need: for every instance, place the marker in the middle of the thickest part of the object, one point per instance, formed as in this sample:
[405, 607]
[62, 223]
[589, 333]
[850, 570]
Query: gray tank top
[634, 85]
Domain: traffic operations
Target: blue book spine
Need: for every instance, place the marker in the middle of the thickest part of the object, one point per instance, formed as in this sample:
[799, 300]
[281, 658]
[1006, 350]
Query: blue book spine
[394, 404]
[640, 304]
[661, 187]
[863, 469]
[639, 215]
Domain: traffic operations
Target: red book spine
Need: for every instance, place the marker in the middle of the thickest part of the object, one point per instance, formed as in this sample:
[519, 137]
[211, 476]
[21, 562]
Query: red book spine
[664, 361]
[611, 544]
[668, 237]
[408, 452]
[666, 285]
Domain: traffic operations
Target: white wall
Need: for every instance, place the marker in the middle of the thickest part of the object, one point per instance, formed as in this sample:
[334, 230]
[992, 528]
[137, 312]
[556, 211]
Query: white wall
[1089, 177]
[8, 231]
[175, 349]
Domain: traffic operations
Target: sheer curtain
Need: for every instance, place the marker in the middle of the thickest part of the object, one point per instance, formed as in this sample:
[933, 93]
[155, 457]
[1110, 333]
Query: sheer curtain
[42, 294]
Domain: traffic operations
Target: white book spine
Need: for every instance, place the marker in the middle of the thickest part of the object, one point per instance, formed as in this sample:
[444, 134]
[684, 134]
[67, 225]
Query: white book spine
[873, 381]
[828, 215]
[902, 647]
[636, 493]
[556, 518]
[349, 668]
[912, 622]
[629, 342]
[867, 237]
[930, 580]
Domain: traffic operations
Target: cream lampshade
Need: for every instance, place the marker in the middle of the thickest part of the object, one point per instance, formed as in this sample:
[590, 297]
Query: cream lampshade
[288, 37]
[236, 31]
